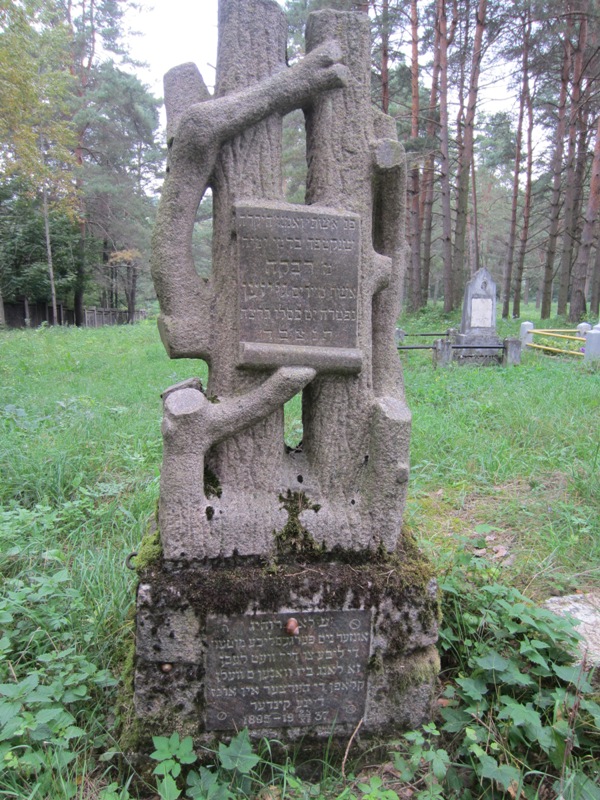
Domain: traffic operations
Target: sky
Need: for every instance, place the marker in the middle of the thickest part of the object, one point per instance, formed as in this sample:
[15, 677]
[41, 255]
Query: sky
[172, 32]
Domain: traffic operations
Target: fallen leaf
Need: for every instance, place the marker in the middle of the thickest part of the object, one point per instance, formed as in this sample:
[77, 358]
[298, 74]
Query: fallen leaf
[513, 789]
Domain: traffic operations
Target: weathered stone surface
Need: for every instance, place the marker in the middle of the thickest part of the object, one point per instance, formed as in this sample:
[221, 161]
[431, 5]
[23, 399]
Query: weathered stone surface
[478, 323]
[316, 286]
[364, 649]
[479, 305]
[295, 669]
[298, 276]
[585, 609]
[300, 299]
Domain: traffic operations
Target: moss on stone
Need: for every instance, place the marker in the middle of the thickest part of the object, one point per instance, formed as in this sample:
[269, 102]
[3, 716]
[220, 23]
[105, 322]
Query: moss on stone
[293, 538]
[375, 664]
[212, 486]
[424, 669]
[150, 551]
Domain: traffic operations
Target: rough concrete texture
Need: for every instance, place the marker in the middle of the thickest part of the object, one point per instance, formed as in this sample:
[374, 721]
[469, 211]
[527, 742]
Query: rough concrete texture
[300, 299]
[354, 460]
[173, 606]
[585, 609]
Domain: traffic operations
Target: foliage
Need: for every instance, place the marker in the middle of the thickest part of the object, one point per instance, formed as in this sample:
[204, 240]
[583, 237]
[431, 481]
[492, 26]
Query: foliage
[35, 89]
[47, 683]
[232, 778]
[519, 707]
[80, 448]
[79, 132]
[23, 267]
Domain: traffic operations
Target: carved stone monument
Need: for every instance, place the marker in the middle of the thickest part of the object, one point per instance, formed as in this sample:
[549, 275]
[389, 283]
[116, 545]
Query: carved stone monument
[287, 598]
[478, 323]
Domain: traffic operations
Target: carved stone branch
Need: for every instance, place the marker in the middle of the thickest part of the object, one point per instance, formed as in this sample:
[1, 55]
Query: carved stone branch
[191, 425]
[196, 134]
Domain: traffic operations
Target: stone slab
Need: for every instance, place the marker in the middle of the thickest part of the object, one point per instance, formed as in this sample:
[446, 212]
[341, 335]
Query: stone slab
[479, 305]
[365, 649]
[259, 673]
[585, 609]
[324, 359]
[298, 285]
[481, 312]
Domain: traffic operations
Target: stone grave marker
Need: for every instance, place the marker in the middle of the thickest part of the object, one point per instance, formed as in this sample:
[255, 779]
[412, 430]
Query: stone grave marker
[286, 597]
[478, 322]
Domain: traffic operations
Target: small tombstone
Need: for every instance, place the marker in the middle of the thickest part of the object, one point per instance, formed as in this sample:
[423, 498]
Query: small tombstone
[287, 599]
[592, 344]
[478, 323]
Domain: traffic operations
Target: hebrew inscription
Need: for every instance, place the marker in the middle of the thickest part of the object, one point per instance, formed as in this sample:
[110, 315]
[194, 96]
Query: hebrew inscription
[298, 276]
[259, 674]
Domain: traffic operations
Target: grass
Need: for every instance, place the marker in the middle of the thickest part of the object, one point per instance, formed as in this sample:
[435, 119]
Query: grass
[516, 449]
[504, 465]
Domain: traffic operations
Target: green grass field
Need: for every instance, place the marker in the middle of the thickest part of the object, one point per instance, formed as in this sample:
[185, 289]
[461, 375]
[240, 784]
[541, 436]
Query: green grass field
[505, 464]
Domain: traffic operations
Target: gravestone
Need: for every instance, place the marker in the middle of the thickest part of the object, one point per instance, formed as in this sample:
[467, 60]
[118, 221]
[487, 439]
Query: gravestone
[478, 323]
[286, 598]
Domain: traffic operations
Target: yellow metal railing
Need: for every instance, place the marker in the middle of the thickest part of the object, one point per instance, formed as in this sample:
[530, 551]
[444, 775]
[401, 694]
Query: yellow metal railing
[555, 349]
[564, 334]
[554, 335]
[553, 330]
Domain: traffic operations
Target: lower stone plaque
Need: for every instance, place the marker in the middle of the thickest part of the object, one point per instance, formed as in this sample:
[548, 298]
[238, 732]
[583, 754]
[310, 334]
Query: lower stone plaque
[286, 670]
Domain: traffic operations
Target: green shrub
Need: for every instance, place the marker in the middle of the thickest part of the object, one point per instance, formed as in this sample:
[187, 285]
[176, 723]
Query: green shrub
[49, 689]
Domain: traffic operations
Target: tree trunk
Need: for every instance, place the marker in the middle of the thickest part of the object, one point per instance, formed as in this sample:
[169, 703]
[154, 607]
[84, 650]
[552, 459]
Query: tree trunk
[132, 275]
[595, 300]
[427, 184]
[49, 253]
[557, 159]
[512, 235]
[442, 22]
[475, 259]
[570, 205]
[458, 270]
[464, 176]
[415, 206]
[583, 142]
[528, 179]
[80, 275]
[385, 56]
[2, 315]
[248, 166]
[578, 304]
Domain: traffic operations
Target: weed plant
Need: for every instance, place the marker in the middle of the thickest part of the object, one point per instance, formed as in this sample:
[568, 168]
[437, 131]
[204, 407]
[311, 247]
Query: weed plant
[504, 494]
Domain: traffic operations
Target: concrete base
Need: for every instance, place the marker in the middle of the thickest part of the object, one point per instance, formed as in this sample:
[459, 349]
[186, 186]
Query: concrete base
[194, 667]
[477, 356]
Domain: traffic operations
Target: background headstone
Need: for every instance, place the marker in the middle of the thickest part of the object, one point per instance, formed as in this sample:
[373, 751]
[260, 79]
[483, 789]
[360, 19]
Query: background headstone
[478, 322]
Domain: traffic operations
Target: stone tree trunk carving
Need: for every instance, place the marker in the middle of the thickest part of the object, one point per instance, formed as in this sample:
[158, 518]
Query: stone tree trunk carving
[302, 298]
[354, 463]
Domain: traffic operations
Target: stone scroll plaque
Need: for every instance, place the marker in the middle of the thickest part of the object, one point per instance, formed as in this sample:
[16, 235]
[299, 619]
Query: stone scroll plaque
[260, 676]
[298, 287]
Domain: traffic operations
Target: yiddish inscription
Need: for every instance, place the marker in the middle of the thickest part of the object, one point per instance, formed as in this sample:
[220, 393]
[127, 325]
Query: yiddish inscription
[298, 276]
[260, 674]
